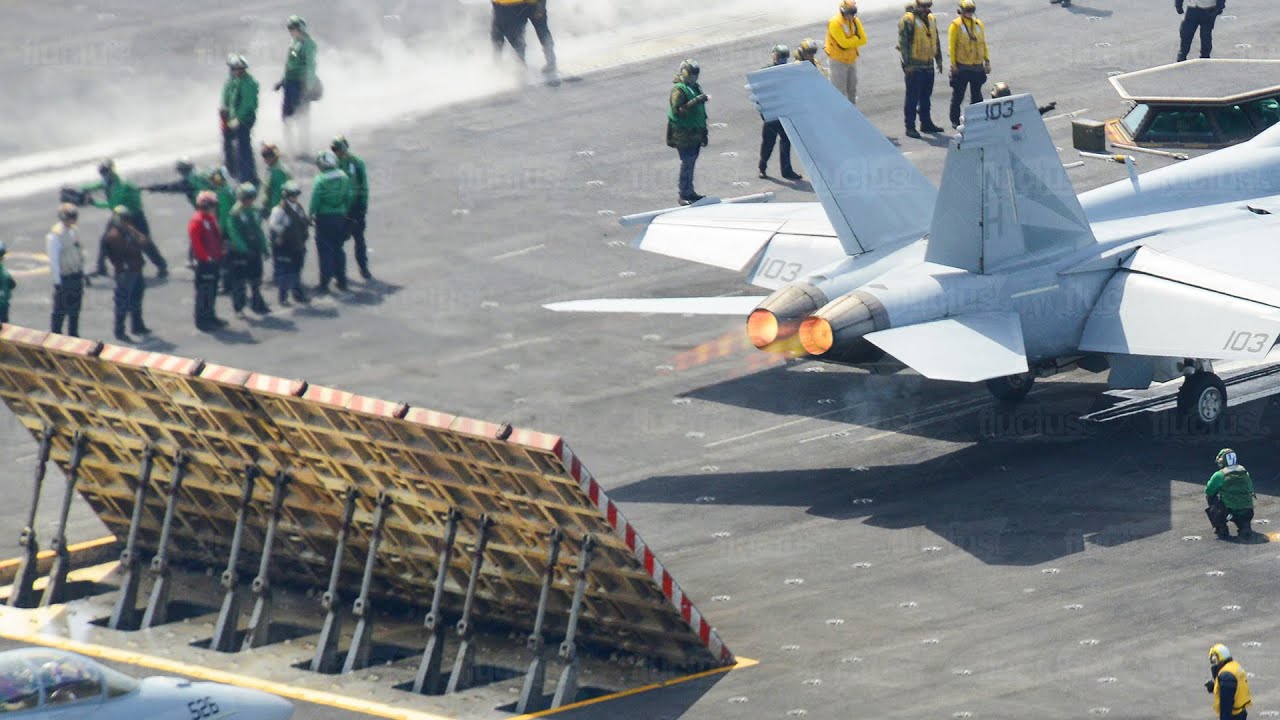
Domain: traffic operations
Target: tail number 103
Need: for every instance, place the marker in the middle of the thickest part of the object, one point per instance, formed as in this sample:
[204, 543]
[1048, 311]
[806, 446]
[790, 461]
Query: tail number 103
[1000, 110]
[1242, 341]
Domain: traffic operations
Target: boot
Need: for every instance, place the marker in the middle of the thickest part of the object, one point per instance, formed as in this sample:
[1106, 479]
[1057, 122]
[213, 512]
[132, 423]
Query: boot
[929, 127]
[259, 305]
[912, 132]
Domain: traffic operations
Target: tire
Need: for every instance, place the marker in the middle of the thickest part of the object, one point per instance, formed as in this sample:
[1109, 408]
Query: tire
[1011, 388]
[1203, 399]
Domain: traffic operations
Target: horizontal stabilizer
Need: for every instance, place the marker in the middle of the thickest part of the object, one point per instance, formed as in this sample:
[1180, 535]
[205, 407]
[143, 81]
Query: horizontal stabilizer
[665, 306]
[647, 217]
[1141, 314]
[873, 195]
[965, 348]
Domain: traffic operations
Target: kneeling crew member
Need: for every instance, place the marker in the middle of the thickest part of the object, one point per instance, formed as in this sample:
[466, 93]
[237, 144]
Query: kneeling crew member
[1230, 496]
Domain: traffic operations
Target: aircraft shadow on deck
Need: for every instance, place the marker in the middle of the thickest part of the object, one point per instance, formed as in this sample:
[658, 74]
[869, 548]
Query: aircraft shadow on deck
[1006, 503]
[667, 703]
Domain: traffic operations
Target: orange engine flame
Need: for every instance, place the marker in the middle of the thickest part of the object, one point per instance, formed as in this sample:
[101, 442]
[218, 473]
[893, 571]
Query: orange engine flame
[816, 335]
[762, 327]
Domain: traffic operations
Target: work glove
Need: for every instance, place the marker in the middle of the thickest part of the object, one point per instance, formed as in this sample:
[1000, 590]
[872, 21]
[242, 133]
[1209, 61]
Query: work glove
[280, 84]
[700, 99]
[986, 67]
[1208, 685]
[939, 67]
[233, 124]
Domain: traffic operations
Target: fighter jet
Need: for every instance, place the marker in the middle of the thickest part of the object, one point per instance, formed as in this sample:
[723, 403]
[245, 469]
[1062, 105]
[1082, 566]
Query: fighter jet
[58, 685]
[1017, 277]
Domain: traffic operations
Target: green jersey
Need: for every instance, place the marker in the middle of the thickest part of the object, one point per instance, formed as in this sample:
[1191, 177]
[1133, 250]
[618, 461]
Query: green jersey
[240, 98]
[245, 232]
[277, 176]
[1234, 485]
[118, 192]
[331, 193]
[300, 65]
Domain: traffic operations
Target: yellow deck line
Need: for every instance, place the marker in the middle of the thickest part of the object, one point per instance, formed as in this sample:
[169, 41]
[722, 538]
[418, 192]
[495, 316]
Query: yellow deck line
[741, 664]
[73, 549]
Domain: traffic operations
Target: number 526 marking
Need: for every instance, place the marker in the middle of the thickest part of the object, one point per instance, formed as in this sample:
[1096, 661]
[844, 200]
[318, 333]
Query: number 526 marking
[202, 708]
[1242, 341]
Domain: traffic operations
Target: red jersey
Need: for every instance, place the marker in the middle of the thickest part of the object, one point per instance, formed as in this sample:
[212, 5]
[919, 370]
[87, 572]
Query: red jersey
[206, 237]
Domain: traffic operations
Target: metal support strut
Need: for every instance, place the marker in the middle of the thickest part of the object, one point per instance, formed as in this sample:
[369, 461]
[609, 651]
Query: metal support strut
[362, 638]
[259, 630]
[567, 688]
[157, 612]
[124, 616]
[463, 675]
[224, 632]
[535, 679]
[22, 594]
[56, 591]
[429, 679]
[326, 658]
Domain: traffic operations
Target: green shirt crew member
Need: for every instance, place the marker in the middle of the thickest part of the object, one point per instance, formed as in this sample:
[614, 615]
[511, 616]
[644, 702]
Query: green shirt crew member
[1229, 494]
[330, 203]
[246, 246]
[300, 84]
[239, 111]
[687, 125]
[277, 176]
[353, 166]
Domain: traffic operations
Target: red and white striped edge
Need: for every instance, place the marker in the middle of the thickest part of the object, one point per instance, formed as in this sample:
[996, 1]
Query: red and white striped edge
[72, 345]
[472, 426]
[224, 375]
[536, 440]
[706, 633]
[431, 418]
[374, 406]
[152, 361]
[23, 335]
[276, 385]
[327, 396]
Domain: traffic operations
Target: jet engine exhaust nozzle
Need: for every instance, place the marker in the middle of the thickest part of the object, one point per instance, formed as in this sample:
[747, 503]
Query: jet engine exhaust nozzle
[779, 316]
[836, 331]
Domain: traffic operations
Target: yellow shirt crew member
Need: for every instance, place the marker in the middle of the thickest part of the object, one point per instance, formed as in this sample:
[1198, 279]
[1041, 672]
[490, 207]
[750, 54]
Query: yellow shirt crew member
[970, 61]
[845, 38]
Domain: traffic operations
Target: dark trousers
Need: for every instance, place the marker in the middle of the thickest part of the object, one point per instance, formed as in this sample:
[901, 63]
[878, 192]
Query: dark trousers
[246, 281]
[237, 147]
[538, 16]
[1201, 19]
[331, 231]
[128, 301]
[769, 134]
[206, 293]
[68, 295]
[355, 229]
[967, 76]
[286, 268]
[508, 27]
[919, 97]
[688, 160]
[1219, 514]
[292, 98]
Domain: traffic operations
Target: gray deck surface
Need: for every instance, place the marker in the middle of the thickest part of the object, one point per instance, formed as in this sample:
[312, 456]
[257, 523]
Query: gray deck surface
[884, 546]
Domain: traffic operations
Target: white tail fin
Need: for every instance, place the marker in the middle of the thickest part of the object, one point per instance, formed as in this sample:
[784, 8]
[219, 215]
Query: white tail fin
[1005, 196]
[872, 194]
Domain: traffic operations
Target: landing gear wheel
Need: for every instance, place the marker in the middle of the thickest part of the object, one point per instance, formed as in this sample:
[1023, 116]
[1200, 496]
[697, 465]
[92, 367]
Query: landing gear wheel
[1203, 398]
[1011, 388]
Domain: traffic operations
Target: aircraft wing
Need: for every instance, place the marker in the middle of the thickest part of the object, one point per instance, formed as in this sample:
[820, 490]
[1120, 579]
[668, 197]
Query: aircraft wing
[979, 346]
[772, 244]
[1195, 294]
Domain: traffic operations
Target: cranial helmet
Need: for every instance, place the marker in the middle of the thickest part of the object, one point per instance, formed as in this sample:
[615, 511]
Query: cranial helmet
[1227, 458]
[1000, 89]
[781, 53]
[1219, 654]
[689, 70]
